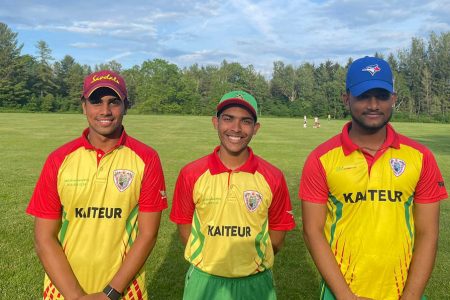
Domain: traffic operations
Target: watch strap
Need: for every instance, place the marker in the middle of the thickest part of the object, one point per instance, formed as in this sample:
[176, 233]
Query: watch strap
[112, 293]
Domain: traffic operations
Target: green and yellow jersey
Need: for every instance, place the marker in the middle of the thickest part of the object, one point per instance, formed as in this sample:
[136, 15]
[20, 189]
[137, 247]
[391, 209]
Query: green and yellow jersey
[370, 202]
[231, 212]
[97, 196]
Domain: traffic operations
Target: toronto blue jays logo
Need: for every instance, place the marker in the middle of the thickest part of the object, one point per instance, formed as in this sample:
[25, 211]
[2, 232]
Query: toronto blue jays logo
[398, 166]
[123, 179]
[372, 69]
[252, 200]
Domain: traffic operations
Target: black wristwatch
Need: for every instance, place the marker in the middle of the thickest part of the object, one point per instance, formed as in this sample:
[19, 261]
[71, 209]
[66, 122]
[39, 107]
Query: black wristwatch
[112, 293]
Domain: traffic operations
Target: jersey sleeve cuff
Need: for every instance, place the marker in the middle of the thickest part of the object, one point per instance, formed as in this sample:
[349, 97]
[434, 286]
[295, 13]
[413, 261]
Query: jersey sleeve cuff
[152, 208]
[314, 200]
[179, 220]
[282, 227]
[54, 216]
[430, 200]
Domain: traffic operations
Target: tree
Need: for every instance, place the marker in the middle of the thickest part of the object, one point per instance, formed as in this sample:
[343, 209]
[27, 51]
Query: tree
[159, 84]
[69, 77]
[30, 78]
[208, 85]
[13, 91]
[132, 78]
[48, 103]
[439, 65]
[323, 76]
[45, 84]
[111, 65]
[61, 70]
[421, 80]
[284, 82]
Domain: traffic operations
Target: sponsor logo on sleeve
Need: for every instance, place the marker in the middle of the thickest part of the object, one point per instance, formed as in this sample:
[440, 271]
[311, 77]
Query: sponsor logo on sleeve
[252, 200]
[123, 179]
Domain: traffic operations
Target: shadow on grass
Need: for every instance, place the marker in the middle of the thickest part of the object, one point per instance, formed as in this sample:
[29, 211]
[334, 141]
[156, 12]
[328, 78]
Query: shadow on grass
[295, 274]
[168, 280]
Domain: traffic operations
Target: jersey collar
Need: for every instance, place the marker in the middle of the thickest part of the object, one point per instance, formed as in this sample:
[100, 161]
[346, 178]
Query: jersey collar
[348, 146]
[216, 166]
[87, 145]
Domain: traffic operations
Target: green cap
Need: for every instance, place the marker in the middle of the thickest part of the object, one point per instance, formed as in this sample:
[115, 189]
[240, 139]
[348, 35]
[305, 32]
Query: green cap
[238, 98]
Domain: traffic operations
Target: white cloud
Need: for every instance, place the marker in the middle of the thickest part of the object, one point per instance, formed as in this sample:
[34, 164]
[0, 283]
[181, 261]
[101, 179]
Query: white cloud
[256, 32]
[258, 16]
[82, 45]
[119, 56]
[205, 57]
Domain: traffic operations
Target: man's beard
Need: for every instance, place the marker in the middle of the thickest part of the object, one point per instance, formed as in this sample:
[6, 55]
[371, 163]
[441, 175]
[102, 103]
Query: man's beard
[371, 129]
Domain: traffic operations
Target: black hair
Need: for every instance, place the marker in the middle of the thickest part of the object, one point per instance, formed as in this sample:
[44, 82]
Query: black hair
[238, 105]
[105, 90]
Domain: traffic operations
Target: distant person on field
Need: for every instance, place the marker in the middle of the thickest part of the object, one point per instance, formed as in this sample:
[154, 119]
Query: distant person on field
[233, 210]
[304, 122]
[329, 117]
[316, 122]
[98, 203]
[370, 198]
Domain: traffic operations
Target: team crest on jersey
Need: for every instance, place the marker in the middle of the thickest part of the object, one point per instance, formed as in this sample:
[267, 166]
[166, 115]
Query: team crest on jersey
[372, 69]
[252, 200]
[123, 179]
[398, 166]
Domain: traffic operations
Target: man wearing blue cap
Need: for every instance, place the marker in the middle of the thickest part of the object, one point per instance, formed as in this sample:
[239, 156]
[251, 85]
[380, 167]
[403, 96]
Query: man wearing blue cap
[370, 198]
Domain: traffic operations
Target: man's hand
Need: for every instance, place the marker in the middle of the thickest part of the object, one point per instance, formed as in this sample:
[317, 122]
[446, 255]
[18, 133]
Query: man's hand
[96, 296]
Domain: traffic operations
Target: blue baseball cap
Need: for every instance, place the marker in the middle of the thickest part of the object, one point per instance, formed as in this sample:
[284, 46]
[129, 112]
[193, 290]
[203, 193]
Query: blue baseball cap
[369, 73]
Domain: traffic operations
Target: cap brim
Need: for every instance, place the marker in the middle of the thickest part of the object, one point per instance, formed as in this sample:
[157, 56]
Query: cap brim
[89, 92]
[236, 101]
[370, 84]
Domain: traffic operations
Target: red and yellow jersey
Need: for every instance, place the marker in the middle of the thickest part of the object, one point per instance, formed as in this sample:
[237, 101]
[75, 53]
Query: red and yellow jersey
[98, 196]
[370, 200]
[231, 212]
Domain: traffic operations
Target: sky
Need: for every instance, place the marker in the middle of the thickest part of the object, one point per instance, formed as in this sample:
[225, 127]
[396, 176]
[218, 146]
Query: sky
[258, 33]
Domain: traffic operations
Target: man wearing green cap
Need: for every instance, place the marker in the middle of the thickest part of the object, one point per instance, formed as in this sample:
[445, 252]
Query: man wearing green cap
[232, 209]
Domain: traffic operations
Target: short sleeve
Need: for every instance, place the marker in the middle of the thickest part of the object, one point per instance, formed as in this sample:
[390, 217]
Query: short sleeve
[183, 204]
[153, 196]
[313, 183]
[280, 211]
[45, 202]
[431, 187]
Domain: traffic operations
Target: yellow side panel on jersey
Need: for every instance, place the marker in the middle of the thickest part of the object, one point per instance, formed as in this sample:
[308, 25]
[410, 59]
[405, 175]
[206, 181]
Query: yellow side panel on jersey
[230, 234]
[88, 213]
[382, 200]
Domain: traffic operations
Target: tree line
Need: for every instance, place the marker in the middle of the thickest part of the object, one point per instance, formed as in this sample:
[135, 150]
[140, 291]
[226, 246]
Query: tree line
[40, 83]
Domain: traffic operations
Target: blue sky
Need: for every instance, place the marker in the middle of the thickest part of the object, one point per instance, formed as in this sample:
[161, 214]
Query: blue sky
[185, 32]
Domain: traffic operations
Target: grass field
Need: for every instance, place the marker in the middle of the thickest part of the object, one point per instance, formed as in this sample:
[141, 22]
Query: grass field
[27, 139]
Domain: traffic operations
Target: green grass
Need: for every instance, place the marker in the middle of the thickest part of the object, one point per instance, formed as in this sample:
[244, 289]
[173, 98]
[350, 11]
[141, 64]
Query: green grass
[27, 139]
